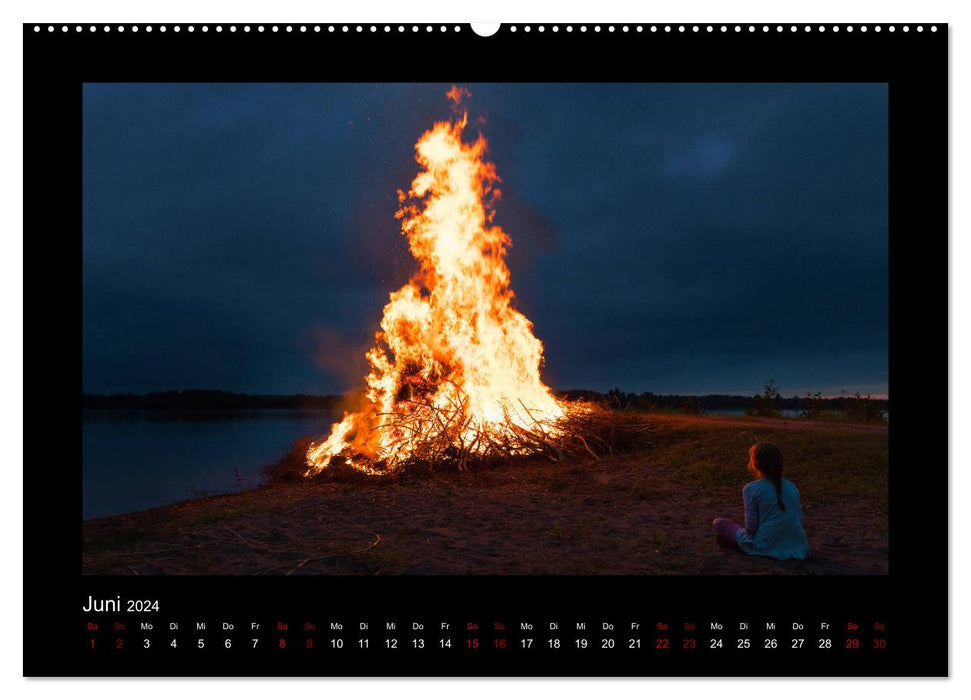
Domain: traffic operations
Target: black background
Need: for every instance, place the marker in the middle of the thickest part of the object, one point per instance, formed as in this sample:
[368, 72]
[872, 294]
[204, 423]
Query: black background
[911, 601]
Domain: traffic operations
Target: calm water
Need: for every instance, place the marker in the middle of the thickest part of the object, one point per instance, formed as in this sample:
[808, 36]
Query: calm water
[143, 459]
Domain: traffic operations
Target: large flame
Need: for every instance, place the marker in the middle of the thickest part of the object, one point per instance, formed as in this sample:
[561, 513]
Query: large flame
[454, 361]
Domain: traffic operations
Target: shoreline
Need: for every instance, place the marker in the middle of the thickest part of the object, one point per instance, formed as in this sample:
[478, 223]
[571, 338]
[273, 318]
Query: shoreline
[646, 512]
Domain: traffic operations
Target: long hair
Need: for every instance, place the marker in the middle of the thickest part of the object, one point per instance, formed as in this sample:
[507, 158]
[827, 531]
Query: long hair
[766, 459]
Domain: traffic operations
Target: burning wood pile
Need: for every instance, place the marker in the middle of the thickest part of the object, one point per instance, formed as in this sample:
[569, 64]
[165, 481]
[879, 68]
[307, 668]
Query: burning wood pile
[455, 369]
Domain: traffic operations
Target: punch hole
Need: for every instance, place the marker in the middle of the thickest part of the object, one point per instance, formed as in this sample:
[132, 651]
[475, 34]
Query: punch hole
[485, 28]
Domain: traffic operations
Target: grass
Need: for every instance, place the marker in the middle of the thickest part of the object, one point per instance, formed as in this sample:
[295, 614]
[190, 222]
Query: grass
[840, 465]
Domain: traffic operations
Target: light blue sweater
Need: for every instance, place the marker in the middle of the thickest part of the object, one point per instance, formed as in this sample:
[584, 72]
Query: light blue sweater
[769, 530]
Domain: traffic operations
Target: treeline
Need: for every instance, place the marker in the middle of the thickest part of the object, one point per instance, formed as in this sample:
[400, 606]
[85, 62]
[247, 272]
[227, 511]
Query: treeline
[191, 399]
[768, 403]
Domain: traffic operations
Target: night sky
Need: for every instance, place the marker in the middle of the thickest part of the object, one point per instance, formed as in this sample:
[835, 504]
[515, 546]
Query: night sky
[667, 238]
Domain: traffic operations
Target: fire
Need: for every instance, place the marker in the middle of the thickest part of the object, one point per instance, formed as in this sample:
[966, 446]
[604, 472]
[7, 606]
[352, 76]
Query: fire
[455, 369]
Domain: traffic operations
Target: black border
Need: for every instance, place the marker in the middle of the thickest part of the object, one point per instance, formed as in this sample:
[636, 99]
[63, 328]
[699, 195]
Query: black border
[912, 600]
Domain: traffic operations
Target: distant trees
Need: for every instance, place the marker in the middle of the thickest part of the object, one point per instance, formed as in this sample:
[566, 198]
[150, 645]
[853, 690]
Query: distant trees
[862, 409]
[689, 406]
[767, 403]
[195, 399]
[770, 403]
[815, 406]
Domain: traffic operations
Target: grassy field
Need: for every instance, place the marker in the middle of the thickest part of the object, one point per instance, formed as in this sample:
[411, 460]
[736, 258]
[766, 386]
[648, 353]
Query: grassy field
[641, 513]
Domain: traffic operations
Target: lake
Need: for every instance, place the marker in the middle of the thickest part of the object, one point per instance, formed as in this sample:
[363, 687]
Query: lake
[137, 459]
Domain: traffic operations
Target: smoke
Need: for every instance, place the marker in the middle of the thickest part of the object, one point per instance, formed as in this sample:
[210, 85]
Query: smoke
[336, 354]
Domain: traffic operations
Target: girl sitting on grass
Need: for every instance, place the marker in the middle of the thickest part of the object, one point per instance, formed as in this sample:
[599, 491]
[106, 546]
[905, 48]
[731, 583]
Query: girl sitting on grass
[773, 513]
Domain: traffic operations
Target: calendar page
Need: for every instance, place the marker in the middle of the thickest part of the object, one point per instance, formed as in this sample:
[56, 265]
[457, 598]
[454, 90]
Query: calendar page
[560, 350]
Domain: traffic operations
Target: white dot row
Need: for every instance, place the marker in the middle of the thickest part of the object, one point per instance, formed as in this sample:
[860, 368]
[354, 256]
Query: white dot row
[737, 28]
[245, 28]
[513, 28]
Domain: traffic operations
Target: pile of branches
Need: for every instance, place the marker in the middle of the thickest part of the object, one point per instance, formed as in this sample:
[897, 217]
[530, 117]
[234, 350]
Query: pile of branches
[429, 438]
[602, 431]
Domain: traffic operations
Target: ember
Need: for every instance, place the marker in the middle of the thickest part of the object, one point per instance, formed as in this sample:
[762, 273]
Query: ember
[455, 369]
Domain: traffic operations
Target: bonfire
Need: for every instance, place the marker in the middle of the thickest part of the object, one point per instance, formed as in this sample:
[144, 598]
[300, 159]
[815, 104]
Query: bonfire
[455, 369]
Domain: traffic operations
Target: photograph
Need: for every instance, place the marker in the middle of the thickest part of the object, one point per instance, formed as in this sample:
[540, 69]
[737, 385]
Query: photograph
[485, 329]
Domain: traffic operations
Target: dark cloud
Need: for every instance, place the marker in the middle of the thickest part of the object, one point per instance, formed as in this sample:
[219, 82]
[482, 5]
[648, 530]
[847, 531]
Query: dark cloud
[665, 237]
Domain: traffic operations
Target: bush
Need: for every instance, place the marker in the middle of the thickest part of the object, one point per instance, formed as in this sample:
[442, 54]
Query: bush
[862, 409]
[766, 404]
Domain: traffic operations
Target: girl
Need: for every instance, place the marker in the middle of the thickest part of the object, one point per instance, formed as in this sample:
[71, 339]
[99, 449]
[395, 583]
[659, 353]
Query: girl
[773, 513]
